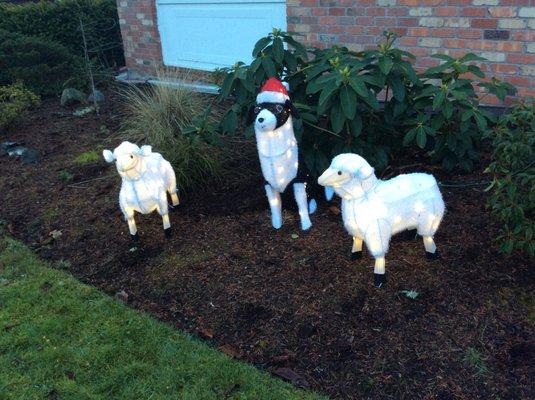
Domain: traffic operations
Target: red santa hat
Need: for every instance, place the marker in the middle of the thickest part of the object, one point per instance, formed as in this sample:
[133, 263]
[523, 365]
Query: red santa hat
[273, 91]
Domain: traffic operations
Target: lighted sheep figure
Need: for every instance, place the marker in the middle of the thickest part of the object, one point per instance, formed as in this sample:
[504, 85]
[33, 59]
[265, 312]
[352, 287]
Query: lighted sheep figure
[278, 152]
[373, 210]
[146, 179]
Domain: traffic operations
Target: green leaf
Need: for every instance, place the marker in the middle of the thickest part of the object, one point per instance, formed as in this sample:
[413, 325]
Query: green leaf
[337, 118]
[421, 137]
[356, 125]
[385, 64]
[409, 136]
[444, 57]
[269, 67]
[398, 89]
[348, 100]
[226, 86]
[260, 45]
[326, 94]
[471, 57]
[374, 80]
[439, 99]
[278, 50]
[358, 86]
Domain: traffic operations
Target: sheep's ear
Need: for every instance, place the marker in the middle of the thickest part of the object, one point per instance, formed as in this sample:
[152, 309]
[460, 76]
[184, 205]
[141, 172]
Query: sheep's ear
[108, 156]
[145, 150]
[365, 172]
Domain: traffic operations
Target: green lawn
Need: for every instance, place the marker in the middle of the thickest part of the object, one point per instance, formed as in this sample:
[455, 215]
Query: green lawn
[60, 339]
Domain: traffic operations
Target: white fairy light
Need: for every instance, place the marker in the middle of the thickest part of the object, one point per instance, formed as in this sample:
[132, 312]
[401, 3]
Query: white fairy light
[373, 210]
[146, 179]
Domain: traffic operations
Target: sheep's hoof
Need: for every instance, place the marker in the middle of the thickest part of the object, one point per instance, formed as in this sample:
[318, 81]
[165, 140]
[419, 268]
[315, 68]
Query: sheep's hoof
[357, 255]
[168, 233]
[379, 280]
[135, 238]
[432, 256]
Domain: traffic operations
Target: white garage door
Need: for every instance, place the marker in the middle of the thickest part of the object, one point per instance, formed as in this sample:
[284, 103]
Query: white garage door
[206, 34]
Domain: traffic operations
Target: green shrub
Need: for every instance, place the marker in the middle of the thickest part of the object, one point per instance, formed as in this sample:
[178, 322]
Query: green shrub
[59, 21]
[161, 115]
[14, 101]
[512, 192]
[337, 93]
[42, 65]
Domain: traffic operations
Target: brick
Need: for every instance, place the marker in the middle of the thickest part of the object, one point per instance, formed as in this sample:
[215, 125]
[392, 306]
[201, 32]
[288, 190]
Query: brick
[531, 47]
[386, 3]
[375, 11]
[443, 32]
[528, 70]
[511, 23]
[527, 12]
[420, 11]
[397, 11]
[473, 12]
[498, 12]
[446, 11]
[432, 22]
[493, 56]
[469, 33]
[337, 11]
[418, 32]
[455, 43]
[496, 34]
[521, 58]
[509, 46]
[531, 24]
[429, 42]
[327, 38]
[486, 23]
[485, 2]
[457, 22]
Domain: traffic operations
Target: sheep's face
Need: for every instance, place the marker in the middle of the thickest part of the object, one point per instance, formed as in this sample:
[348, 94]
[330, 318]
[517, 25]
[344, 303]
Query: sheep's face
[349, 175]
[270, 116]
[127, 156]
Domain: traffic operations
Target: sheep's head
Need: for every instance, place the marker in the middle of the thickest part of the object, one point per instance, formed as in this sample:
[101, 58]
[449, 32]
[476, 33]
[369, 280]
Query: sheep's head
[349, 175]
[126, 156]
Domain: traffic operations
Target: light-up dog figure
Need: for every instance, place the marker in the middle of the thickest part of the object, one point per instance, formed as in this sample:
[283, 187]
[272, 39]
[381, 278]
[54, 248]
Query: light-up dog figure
[373, 210]
[278, 153]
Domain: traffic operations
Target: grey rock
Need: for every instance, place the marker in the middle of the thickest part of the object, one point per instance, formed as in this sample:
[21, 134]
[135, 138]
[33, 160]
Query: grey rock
[14, 149]
[122, 296]
[5, 146]
[71, 96]
[97, 96]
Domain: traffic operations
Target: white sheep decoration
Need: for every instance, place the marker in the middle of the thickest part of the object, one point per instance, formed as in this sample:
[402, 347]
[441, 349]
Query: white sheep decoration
[146, 179]
[373, 210]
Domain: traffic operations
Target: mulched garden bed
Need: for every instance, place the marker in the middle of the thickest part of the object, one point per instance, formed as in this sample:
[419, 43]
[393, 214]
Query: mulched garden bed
[293, 305]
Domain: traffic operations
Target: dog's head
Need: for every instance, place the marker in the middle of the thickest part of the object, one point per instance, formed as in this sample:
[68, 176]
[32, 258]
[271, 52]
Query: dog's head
[270, 116]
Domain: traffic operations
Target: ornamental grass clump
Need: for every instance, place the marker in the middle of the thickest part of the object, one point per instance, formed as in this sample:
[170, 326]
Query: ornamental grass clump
[161, 115]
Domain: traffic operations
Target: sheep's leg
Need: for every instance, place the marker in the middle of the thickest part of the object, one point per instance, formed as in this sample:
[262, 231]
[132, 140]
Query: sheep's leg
[275, 205]
[172, 189]
[356, 250]
[379, 276]
[163, 210]
[430, 248]
[129, 217]
[302, 204]
[174, 197]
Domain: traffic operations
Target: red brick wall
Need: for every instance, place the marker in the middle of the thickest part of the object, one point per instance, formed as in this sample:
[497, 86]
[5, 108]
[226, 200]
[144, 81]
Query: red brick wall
[503, 31]
[141, 40]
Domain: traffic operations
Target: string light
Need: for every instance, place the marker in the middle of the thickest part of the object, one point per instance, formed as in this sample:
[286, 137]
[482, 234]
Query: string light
[373, 210]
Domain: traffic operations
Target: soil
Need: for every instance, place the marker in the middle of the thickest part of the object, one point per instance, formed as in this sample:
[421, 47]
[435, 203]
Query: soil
[291, 303]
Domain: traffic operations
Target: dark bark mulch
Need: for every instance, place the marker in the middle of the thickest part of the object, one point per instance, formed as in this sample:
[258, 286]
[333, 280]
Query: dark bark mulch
[297, 307]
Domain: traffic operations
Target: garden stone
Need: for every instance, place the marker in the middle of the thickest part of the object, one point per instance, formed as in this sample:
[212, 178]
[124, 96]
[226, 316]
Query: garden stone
[71, 96]
[5, 146]
[97, 96]
[14, 149]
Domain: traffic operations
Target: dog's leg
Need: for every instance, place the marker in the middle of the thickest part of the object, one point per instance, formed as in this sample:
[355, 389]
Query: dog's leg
[302, 203]
[275, 205]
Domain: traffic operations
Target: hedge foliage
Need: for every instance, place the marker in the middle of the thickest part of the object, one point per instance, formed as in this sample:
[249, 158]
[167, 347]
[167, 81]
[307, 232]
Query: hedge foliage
[42, 65]
[338, 93]
[59, 21]
[512, 192]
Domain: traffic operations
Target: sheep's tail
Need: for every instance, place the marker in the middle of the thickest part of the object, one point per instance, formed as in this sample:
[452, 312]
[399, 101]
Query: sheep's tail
[312, 206]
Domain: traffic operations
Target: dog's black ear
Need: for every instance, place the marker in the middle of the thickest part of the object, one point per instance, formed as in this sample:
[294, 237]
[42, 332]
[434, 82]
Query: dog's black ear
[289, 105]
